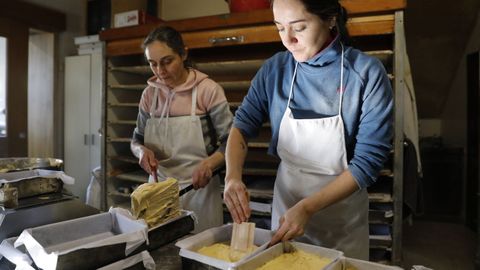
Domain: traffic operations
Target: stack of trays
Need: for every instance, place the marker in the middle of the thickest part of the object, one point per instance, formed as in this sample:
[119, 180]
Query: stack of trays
[191, 259]
[84, 243]
[103, 240]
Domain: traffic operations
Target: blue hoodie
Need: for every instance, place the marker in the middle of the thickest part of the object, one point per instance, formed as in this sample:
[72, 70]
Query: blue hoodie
[367, 108]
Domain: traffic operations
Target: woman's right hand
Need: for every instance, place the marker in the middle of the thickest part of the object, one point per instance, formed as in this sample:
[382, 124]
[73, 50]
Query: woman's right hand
[147, 160]
[237, 200]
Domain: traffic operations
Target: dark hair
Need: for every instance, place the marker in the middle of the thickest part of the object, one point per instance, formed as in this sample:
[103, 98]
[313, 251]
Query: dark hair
[171, 37]
[326, 10]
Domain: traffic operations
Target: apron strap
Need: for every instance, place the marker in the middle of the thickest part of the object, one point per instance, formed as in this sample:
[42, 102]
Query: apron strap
[153, 105]
[341, 85]
[194, 104]
[291, 86]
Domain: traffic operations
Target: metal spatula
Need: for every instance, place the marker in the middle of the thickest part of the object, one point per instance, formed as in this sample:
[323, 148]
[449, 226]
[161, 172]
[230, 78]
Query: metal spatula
[242, 240]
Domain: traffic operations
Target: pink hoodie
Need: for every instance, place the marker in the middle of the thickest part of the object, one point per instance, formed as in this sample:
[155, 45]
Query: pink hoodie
[178, 100]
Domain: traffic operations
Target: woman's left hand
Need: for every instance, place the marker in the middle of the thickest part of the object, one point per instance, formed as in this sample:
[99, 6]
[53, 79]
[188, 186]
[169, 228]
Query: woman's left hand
[201, 175]
[291, 224]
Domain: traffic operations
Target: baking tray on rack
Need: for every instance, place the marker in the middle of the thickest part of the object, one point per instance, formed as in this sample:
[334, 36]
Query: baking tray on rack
[22, 164]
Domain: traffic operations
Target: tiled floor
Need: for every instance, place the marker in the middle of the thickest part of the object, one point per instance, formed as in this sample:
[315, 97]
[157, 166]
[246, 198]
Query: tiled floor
[440, 246]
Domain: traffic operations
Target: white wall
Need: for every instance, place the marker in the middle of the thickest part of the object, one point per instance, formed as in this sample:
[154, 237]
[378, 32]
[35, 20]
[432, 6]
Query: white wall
[76, 19]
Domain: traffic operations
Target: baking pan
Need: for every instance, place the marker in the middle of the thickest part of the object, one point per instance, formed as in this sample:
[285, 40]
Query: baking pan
[170, 230]
[22, 164]
[277, 250]
[139, 261]
[191, 259]
[366, 265]
[84, 243]
[35, 182]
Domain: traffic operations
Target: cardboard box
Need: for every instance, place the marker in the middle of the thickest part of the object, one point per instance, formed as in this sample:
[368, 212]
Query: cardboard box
[189, 246]
[119, 6]
[169, 10]
[132, 17]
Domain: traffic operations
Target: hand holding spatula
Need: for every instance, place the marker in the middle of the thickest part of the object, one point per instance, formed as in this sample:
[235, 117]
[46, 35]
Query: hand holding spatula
[241, 243]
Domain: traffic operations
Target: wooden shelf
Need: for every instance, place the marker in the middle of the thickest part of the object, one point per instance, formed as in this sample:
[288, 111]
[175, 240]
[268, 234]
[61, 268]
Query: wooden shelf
[354, 8]
[122, 122]
[140, 87]
[119, 140]
[125, 104]
[127, 159]
[136, 176]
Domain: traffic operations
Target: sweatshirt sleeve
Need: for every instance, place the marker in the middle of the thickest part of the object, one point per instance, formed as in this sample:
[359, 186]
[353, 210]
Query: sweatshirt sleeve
[219, 113]
[375, 131]
[254, 109]
[142, 117]
[221, 117]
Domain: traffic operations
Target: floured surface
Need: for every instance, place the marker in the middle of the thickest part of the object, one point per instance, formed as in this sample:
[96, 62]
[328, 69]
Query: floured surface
[156, 202]
[298, 260]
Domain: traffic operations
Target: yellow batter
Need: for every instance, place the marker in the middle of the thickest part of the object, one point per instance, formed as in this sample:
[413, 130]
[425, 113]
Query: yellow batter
[221, 251]
[156, 202]
[298, 260]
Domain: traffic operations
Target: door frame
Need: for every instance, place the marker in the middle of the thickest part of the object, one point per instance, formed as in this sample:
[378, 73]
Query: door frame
[16, 19]
[16, 142]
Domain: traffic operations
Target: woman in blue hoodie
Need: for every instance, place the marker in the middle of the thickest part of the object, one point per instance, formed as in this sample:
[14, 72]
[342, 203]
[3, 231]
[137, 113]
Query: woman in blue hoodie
[330, 109]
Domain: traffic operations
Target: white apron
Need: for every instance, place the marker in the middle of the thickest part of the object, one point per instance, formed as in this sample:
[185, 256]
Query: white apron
[313, 153]
[179, 147]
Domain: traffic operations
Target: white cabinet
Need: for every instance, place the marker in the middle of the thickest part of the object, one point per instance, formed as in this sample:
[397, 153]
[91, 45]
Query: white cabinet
[83, 118]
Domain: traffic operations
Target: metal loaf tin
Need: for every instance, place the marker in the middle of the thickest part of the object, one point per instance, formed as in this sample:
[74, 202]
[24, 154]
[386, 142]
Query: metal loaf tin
[22, 164]
[20, 167]
[191, 259]
[169, 231]
[277, 250]
[139, 261]
[84, 243]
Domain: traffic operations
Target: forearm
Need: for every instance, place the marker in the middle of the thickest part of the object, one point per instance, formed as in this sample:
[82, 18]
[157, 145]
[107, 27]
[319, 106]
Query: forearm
[235, 155]
[136, 148]
[338, 189]
[215, 160]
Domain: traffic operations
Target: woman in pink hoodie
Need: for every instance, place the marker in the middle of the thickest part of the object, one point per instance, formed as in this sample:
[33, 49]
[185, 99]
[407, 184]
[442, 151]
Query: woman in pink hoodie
[182, 126]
